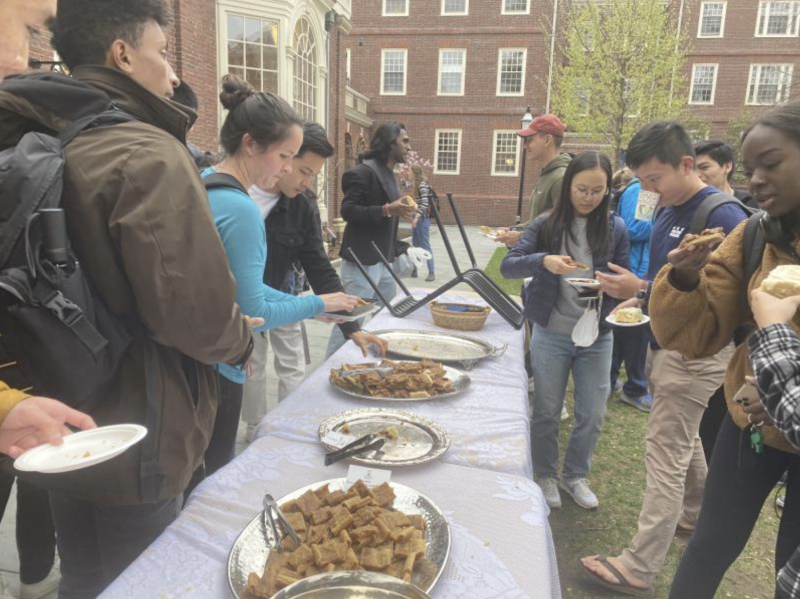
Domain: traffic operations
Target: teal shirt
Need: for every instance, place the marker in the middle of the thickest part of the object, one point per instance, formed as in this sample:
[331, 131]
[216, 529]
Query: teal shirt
[244, 236]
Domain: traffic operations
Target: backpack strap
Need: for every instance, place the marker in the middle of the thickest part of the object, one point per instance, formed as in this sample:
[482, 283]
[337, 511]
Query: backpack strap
[712, 202]
[753, 246]
[220, 180]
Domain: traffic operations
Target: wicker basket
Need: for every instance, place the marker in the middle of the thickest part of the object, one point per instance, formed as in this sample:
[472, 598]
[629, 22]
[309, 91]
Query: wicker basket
[472, 318]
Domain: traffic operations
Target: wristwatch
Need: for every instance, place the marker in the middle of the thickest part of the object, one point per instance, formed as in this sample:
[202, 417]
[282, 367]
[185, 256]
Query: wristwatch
[641, 294]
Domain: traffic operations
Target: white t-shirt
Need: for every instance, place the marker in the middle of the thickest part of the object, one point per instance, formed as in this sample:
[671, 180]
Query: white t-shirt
[264, 200]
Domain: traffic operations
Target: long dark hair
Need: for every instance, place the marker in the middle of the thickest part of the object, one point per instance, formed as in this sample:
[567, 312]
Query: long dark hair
[380, 147]
[560, 219]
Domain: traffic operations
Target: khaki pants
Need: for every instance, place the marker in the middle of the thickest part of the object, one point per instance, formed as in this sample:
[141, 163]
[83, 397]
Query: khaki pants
[290, 366]
[676, 465]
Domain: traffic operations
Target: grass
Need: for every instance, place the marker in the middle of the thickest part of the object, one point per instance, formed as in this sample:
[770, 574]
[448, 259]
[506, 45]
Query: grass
[618, 479]
[492, 269]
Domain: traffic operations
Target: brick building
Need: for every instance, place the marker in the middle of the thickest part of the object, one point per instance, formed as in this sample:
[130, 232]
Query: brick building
[460, 73]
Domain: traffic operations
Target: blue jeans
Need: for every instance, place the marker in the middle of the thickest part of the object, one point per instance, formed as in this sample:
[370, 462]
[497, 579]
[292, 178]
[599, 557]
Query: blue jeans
[354, 283]
[630, 347]
[421, 237]
[553, 357]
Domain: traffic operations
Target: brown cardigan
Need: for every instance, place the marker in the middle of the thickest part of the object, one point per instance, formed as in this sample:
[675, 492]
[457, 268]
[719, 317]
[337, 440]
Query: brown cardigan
[701, 322]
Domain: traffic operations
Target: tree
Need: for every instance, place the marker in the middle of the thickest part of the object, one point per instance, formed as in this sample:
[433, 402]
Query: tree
[623, 67]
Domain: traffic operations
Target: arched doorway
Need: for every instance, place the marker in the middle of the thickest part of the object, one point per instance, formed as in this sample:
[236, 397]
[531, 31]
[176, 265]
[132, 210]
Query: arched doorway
[305, 71]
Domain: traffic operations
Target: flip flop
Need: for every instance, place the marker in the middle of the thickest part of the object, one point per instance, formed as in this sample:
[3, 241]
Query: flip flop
[622, 586]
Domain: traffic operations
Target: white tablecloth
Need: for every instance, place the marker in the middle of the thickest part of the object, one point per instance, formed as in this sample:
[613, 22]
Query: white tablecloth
[488, 424]
[501, 543]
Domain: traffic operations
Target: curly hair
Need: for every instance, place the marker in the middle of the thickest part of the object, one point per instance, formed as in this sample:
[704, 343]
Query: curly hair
[84, 30]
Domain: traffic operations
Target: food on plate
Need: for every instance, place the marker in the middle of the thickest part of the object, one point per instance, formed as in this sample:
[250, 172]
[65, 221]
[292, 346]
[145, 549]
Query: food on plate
[578, 265]
[704, 238]
[360, 303]
[783, 281]
[356, 529]
[412, 380]
[488, 231]
[345, 429]
[629, 315]
[408, 201]
[389, 433]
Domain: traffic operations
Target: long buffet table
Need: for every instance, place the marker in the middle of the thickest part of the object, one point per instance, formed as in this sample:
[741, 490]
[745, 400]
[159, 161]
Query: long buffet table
[501, 542]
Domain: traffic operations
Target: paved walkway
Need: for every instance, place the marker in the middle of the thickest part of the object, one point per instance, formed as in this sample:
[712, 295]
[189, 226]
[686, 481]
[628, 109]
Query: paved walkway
[318, 334]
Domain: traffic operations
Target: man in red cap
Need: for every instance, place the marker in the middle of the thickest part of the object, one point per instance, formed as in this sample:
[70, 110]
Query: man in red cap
[543, 139]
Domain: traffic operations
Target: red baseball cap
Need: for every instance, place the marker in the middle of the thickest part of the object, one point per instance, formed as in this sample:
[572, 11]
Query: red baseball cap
[547, 123]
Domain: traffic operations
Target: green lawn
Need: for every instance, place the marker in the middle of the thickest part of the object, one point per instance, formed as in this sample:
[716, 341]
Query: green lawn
[618, 478]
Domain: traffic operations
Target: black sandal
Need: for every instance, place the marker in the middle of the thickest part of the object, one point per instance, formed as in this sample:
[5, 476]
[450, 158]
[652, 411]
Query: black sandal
[622, 586]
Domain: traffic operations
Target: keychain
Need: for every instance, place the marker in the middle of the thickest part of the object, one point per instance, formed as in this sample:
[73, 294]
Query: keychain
[756, 438]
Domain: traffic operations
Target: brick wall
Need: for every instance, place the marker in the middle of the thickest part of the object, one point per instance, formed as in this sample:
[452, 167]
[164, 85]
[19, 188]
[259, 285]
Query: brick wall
[483, 198]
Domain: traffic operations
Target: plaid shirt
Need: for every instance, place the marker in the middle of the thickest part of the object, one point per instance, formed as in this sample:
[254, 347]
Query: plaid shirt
[775, 357]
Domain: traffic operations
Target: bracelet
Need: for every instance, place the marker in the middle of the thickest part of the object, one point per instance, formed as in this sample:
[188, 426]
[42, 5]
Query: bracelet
[386, 211]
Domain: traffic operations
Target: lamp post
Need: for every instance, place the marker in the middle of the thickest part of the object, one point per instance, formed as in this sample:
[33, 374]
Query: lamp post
[526, 120]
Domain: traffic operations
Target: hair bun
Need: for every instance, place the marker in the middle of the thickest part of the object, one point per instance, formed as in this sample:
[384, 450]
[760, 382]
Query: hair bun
[234, 91]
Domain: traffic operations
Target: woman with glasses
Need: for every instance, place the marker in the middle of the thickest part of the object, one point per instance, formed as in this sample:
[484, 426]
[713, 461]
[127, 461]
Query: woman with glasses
[575, 239]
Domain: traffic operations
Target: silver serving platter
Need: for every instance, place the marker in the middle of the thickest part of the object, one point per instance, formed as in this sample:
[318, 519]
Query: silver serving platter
[253, 546]
[449, 348]
[351, 585]
[461, 382]
[419, 439]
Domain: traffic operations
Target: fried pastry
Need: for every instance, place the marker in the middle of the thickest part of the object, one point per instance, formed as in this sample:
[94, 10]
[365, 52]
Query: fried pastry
[706, 237]
[783, 281]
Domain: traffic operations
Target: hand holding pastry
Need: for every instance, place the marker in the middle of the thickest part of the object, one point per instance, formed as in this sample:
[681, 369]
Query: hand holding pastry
[559, 265]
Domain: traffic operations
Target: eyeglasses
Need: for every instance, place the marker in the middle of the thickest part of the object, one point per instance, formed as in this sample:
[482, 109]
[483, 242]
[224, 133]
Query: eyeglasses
[587, 193]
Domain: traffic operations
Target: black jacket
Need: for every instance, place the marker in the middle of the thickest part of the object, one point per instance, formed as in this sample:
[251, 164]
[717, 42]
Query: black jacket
[362, 209]
[294, 236]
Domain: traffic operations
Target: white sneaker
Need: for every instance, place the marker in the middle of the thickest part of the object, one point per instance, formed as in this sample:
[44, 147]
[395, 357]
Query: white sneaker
[579, 490]
[564, 412]
[44, 587]
[549, 487]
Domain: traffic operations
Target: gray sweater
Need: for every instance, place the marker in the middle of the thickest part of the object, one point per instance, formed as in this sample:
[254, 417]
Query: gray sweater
[568, 308]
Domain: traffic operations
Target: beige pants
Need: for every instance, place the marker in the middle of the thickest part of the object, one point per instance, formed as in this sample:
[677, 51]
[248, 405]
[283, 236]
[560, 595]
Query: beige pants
[676, 466]
[290, 366]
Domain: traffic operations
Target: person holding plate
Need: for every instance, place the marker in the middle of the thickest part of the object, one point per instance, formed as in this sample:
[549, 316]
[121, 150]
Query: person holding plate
[575, 238]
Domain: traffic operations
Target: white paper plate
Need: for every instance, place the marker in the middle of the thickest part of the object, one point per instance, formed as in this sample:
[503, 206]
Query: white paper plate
[611, 320]
[81, 450]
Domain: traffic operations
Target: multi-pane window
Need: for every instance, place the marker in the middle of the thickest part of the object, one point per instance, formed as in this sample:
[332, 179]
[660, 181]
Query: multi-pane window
[704, 82]
[393, 72]
[778, 19]
[253, 51]
[455, 7]
[395, 8]
[448, 151]
[305, 71]
[506, 153]
[511, 71]
[451, 72]
[515, 7]
[769, 83]
[712, 19]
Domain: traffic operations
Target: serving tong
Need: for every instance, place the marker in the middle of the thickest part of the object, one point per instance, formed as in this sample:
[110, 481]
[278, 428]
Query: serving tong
[361, 445]
[274, 520]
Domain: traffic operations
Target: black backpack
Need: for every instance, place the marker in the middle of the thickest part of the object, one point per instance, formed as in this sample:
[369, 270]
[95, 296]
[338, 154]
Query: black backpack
[60, 339]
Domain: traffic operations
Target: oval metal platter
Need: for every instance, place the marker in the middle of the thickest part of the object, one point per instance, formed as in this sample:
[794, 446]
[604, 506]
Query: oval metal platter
[348, 585]
[449, 348]
[461, 382]
[253, 546]
[419, 439]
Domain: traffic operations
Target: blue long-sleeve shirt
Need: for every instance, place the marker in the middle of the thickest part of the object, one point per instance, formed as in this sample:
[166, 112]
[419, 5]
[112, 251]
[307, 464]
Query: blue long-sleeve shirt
[638, 230]
[244, 236]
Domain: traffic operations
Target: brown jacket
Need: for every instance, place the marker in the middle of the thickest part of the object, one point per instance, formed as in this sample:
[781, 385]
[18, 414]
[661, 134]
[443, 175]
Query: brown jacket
[140, 224]
[701, 322]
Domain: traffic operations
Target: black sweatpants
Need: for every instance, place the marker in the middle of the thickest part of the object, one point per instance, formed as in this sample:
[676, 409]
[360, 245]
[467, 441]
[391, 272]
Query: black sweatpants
[738, 483]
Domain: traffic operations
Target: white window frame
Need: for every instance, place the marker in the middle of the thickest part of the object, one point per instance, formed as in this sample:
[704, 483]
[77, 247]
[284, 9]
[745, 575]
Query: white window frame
[394, 14]
[763, 12]
[713, 84]
[500, 72]
[405, 70]
[495, 135]
[463, 72]
[527, 10]
[755, 70]
[455, 14]
[436, 170]
[722, 25]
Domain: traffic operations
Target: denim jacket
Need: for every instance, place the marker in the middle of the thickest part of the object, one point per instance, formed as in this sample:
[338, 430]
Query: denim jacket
[526, 259]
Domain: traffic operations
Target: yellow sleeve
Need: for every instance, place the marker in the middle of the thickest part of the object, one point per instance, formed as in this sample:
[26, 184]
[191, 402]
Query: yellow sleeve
[8, 399]
[699, 323]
